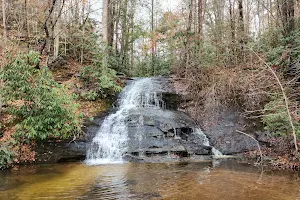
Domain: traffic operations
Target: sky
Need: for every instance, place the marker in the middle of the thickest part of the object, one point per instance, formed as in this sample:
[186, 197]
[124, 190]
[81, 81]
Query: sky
[143, 14]
[170, 5]
[167, 5]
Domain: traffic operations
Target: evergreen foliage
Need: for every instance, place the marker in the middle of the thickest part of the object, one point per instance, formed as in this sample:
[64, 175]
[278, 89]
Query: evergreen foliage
[280, 50]
[41, 107]
[100, 77]
[6, 155]
[276, 119]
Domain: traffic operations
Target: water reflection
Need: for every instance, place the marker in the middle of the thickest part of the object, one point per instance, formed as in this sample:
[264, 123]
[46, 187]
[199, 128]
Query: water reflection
[185, 180]
[112, 185]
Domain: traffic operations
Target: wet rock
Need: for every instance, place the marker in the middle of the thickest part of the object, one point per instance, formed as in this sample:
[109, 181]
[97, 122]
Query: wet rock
[223, 136]
[149, 121]
[68, 150]
[162, 133]
[293, 69]
[172, 100]
[54, 151]
[165, 127]
[203, 151]
[132, 158]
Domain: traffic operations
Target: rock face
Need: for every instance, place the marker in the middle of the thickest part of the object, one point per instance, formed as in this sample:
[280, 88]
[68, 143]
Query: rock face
[68, 150]
[164, 133]
[148, 125]
[55, 152]
[224, 136]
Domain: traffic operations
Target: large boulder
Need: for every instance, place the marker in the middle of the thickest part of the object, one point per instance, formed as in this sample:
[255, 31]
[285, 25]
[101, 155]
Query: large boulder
[153, 132]
[223, 135]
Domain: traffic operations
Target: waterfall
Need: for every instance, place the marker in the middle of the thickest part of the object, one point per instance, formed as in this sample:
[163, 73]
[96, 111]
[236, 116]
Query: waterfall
[110, 141]
[141, 96]
[205, 141]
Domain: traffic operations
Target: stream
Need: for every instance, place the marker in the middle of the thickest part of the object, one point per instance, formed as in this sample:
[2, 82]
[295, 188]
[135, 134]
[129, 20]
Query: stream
[227, 180]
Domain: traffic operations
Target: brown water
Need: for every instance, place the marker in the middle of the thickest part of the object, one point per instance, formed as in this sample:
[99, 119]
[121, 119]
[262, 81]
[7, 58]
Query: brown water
[189, 180]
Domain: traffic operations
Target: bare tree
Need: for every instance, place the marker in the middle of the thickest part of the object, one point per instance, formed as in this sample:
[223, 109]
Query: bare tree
[152, 37]
[4, 21]
[241, 30]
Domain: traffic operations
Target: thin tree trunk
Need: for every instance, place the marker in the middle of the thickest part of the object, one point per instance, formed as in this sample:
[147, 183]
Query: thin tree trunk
[4, 22]
[83, 32]
[132, 13]
[188, 32]
[5, 43]
[259, 18]
[26, 25]
[46, 43]
[55, 32]
[104, 21]
[152, 38]
[124, 39]
[200, 19]
[242, 30]
[110, 25]
[117, 7]
[233, 37]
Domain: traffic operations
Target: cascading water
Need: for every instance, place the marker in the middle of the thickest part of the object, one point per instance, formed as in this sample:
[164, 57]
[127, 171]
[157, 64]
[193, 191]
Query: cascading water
[142, 98]
[206, 142]
[111, 140]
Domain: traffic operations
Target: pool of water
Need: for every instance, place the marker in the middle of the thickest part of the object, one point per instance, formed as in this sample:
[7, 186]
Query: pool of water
[227, 180]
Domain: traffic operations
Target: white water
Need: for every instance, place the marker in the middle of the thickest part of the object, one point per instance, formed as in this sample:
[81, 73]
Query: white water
[206, 142]
[111, 140]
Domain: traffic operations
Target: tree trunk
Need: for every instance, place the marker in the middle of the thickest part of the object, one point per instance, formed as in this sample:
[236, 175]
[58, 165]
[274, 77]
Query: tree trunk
[56, 30]
[46, 42]
[4, 22]
[124, 39]
[117, 11]
[110, 24]
[232, 27]
[200, 19]
[188, 32]
[104, 21]
[5, 42]
[83, 32]
[152, 38]
[26, 25]
[132, 13]
[241, 30]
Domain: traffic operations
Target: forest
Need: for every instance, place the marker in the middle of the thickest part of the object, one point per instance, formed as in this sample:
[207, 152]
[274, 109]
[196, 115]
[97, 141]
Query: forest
[64, 61]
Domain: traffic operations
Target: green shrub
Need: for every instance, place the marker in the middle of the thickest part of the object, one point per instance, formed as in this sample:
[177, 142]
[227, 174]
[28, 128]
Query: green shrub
[161, 66]
[41, 107]
[280, 50]
[6, 155]
[89, 95]
[100, 81]
[276, 119]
